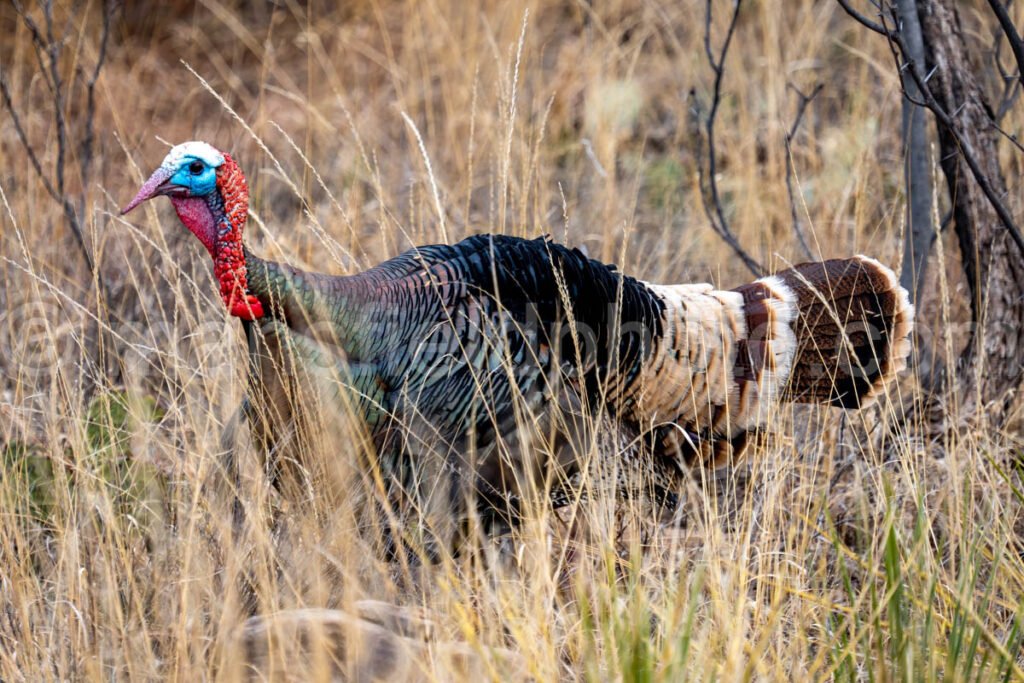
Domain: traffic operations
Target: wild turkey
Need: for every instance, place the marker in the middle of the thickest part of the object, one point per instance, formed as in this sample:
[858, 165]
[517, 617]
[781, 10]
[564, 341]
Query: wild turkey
[444, 347]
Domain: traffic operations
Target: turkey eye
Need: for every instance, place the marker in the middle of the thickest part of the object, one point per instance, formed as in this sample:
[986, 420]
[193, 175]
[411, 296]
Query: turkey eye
[196, 167]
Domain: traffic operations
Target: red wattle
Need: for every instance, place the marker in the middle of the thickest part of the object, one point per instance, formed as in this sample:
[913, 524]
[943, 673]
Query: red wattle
[229, 261]
[249, 309]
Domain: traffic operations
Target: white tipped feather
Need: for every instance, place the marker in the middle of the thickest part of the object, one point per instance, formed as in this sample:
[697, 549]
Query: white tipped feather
[694, 378]
[782, 340]
[903, 326]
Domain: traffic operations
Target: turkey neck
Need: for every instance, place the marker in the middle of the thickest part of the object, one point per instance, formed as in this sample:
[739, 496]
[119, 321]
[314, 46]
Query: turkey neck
[320, 306]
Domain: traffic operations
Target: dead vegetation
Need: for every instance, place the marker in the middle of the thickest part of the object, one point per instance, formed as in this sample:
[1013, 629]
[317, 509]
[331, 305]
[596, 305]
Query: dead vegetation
[848, 546]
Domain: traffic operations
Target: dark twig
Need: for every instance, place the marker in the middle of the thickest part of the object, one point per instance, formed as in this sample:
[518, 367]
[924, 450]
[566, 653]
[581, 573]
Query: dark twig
[53, 60]
[88, 139]
[862, 20]
[1011, 81]
[801, 107]
[5, 92]
[1012, 37]
[1011, 92]
[1009, 136]
[909, 65]
[38, 42]
[48, 53]
[716, 215]
[45, 44]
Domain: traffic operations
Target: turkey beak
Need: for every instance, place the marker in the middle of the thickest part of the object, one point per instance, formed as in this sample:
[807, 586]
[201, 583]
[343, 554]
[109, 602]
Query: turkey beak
[159, 183]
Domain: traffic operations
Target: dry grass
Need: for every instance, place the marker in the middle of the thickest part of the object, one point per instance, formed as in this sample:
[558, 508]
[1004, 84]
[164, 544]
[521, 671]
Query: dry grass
[848, 546]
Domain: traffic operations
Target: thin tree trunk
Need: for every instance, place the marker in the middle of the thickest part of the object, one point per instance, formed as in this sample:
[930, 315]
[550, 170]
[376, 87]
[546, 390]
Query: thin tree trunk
[991, 366]
[919, 232]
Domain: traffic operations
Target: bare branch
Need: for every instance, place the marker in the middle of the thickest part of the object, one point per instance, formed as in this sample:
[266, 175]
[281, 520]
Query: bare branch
[1011, 82]
[714, 211]
[1012, 37]
[911, 66]
[801, 107]
[38, 42]
[1006, 102]
[48, 54]
[86, 147]
[862, 20]
[53, 52]
[5, 92]
[1012, 138]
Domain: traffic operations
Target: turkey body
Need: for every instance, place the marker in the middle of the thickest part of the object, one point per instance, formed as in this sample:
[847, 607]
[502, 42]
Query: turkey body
[459, 359]
[446, 350]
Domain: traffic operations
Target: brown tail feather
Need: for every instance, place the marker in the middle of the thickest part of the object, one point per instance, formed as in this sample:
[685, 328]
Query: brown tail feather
[833, 332]
[852, 330]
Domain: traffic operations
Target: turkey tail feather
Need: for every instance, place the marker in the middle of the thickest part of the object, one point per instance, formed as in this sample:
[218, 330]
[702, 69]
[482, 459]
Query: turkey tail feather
[849, 322]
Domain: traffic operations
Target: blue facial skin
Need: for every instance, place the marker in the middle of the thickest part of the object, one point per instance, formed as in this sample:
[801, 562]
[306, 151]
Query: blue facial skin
[198, 176]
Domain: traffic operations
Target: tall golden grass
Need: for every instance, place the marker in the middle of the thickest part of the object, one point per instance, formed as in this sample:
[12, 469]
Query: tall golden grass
[847, 546]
